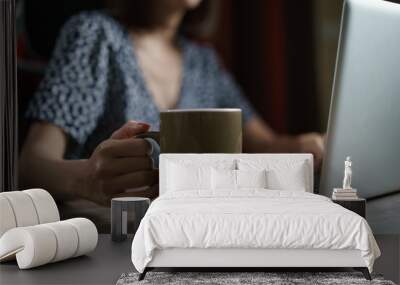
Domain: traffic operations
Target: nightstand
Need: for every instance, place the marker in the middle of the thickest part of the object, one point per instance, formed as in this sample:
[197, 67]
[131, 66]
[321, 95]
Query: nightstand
[357, 206]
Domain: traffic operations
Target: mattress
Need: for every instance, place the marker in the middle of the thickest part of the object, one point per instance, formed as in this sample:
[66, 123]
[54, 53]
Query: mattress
[250, 219]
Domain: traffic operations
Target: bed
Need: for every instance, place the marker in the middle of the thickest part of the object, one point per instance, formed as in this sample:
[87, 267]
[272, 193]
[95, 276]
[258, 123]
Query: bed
[245, 211]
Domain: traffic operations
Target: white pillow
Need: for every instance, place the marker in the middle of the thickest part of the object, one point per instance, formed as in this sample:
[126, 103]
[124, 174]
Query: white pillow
[251, 178]
[236, 179]
[182, 177]
[282, 174]
[223, 179]
[292, 179]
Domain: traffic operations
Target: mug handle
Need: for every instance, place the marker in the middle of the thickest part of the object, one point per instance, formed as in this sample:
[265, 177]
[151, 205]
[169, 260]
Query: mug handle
[151, 135]
[155, 152]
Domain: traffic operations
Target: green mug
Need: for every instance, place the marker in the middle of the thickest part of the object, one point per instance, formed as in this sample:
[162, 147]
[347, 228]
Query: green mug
[199, 131]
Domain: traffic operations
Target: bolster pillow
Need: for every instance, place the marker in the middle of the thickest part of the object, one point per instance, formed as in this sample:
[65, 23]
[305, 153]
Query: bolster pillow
[26, 208]
[40, 244]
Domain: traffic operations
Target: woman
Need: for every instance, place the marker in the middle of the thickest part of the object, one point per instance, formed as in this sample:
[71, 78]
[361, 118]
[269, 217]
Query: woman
[110, 69]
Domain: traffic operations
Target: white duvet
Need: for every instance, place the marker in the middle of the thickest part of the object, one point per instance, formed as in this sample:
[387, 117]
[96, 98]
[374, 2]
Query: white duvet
[250, 219]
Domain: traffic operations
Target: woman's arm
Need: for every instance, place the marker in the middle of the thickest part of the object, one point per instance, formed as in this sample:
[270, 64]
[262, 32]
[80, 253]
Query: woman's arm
[259, 137]
[117, 164]
[41, 161]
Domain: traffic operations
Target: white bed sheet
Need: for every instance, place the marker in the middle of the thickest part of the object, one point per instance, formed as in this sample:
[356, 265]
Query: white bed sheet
[250, 218]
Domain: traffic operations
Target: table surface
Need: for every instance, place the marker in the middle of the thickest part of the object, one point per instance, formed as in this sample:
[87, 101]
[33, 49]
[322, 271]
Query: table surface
[102, 266]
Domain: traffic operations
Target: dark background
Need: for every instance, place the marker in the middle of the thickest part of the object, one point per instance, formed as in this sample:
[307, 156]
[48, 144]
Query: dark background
[282, 53]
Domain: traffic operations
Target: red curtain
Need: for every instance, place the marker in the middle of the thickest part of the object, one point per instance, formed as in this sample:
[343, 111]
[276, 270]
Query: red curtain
[267, 44]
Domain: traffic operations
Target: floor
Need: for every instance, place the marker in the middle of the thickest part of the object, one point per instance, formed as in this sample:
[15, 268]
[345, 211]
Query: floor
[110, 260]
[389, 262]
[102, 266]
[383, 214]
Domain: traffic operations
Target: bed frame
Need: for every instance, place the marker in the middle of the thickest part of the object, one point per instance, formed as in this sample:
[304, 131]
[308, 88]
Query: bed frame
[260, 259]
[248, 259]
[256, 260]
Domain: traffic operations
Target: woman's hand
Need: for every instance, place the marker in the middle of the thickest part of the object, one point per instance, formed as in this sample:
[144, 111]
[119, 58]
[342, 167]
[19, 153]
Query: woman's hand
[117, 164]
[259, 137]
[312, 143]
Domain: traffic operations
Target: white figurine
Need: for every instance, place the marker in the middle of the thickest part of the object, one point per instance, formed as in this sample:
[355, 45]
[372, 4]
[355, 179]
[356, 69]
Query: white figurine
[347, 173]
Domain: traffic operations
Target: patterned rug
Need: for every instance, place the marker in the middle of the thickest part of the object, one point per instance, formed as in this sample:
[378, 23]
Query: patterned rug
[243, 278]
